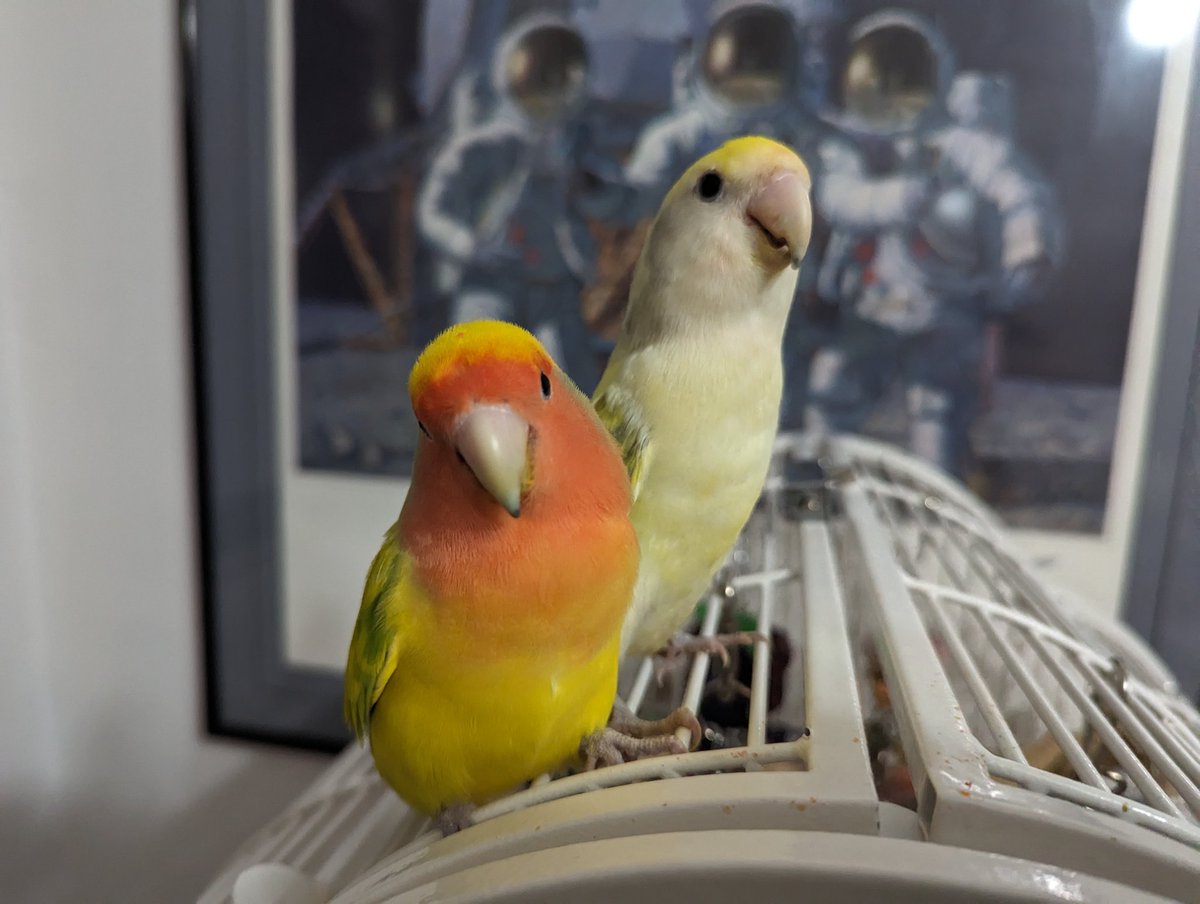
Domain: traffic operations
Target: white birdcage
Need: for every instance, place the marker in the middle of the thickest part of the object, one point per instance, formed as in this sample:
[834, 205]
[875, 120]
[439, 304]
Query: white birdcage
[970, 736]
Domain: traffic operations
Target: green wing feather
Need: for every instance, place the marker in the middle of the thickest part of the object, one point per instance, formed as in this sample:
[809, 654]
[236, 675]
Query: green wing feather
[621, 414]
[376, 642]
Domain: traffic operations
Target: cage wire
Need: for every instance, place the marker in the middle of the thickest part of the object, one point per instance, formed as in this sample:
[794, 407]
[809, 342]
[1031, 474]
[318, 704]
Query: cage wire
[912, 680]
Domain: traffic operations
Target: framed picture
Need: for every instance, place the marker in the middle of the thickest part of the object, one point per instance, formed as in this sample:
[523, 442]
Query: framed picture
[1000, 190]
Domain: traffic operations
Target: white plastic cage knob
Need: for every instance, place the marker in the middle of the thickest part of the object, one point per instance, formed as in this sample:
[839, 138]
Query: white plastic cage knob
[277, 883]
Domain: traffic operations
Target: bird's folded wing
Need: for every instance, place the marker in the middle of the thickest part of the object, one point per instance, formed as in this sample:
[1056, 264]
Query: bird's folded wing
[376, 642]
[622, 415]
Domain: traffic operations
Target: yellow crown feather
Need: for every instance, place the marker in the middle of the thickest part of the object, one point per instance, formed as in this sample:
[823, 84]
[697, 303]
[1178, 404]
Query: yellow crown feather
[740, 158]
[471, 342]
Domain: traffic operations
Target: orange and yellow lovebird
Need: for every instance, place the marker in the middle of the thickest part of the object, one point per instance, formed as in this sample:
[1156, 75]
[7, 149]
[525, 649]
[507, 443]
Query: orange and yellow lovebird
[487, 641]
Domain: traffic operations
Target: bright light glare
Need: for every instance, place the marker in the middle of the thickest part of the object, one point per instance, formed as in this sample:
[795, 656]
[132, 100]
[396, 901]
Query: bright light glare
[1159, 23]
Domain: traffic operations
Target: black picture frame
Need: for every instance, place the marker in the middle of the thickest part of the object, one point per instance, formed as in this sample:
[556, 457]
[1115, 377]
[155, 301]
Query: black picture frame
[252, 692]
[1161, 596]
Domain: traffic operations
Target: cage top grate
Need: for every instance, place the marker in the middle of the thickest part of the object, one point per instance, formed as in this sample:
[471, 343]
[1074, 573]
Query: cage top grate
[907, 656]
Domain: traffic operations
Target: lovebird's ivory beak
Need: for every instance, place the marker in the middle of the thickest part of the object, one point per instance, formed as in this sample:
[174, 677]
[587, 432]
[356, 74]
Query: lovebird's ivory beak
[782, 209]
[494, 440]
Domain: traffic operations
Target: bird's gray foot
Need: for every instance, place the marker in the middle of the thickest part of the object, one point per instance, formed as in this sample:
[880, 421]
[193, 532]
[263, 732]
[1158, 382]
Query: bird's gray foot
[624, 721]
[454, 818]
[717, 645]
[610, 747]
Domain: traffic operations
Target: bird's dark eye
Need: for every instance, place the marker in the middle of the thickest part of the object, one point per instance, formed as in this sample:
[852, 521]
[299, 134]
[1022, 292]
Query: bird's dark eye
[545, 386]
[710, 185]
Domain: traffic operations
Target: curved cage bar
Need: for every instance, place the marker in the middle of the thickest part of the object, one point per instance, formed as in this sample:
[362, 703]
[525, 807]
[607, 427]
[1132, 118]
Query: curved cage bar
[916, 689]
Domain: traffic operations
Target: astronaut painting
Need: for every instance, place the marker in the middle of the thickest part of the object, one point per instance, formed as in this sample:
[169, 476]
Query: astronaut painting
[980, 176]
[953, 230]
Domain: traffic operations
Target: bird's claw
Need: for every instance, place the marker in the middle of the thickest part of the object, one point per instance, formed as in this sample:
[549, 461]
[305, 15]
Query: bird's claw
[454, 818]
[610, 747]
[717, 645]
[624, 721]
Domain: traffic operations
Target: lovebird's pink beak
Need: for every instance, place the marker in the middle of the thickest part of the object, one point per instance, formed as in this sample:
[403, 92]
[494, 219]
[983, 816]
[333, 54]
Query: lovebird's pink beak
[494, 442]
[781, 208]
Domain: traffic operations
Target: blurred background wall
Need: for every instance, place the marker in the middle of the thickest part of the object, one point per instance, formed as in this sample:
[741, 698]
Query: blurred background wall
[108, 789]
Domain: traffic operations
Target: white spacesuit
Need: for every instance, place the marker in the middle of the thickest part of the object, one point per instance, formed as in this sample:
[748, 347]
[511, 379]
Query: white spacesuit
[938, 224]
[500, 199]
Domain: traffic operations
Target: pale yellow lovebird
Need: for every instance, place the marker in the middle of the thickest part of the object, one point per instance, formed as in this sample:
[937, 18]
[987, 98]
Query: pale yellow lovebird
[693, 387]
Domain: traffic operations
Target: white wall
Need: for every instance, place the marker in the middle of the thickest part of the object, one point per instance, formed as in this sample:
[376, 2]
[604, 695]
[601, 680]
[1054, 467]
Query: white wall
[108, 790]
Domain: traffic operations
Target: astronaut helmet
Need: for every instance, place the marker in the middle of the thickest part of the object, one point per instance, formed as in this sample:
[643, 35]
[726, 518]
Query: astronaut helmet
[897, 70]
[749, 56]
[541, 66]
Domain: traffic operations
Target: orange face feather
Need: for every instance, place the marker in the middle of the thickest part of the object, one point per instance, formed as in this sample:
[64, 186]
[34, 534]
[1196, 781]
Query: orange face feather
[574, 501]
